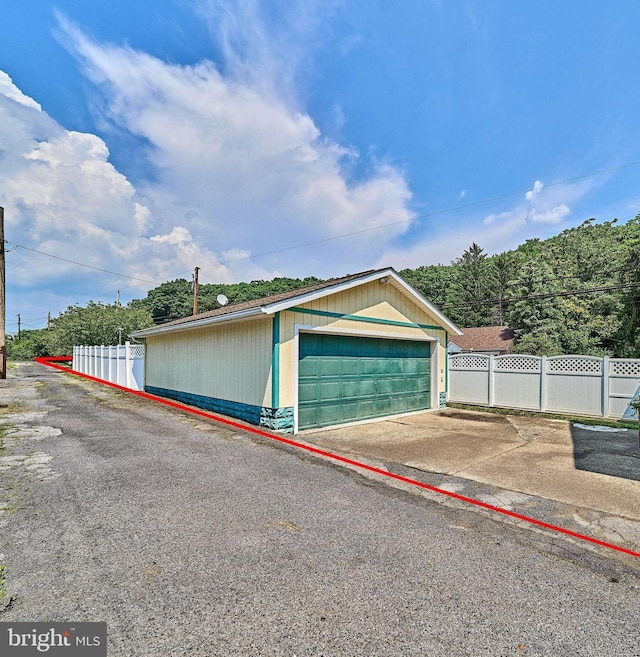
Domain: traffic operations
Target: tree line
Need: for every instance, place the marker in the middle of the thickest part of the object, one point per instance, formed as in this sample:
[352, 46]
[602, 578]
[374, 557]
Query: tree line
[573, 293]
[570, 294]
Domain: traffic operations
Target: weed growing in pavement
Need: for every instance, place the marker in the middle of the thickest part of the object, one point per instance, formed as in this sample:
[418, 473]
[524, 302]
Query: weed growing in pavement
[3, 571]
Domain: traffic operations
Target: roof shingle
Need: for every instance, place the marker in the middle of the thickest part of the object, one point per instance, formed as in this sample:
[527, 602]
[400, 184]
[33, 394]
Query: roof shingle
[486, 338]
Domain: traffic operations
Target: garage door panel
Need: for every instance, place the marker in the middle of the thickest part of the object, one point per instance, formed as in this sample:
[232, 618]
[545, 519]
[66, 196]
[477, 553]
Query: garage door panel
[350, 367]
[351, 389]
[329, 367]
[329, 392]
[345, 378]
[307, 392]
[369, 366]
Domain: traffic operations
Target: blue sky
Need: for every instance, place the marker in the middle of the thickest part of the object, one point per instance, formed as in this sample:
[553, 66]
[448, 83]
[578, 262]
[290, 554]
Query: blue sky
[149, 138]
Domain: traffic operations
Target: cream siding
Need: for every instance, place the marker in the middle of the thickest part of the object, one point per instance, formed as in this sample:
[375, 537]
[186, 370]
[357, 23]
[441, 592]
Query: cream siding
[375, 300]
[231, 361]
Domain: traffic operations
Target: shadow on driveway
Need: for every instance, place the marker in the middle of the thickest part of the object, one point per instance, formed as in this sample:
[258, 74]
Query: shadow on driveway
[608, 451]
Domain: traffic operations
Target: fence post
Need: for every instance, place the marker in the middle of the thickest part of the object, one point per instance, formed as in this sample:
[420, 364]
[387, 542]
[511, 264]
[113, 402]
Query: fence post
[491, 379]
[605, 386]
[543, 383]
[127, 356]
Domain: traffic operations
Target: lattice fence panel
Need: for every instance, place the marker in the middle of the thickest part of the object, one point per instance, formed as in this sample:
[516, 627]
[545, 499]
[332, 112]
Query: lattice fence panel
[574, 365]
[136, 351]
[469, 362]
[518, 364]
[625, 367]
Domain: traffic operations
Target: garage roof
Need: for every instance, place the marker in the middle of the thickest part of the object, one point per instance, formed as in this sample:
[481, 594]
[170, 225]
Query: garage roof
[284, 300]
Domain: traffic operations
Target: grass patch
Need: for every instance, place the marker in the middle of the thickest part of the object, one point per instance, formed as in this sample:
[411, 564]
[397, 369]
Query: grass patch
[3, 430]
[9, 409]
[593, 421]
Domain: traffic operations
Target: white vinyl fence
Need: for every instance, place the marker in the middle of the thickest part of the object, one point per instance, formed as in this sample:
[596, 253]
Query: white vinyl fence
[577, 385]
[123, 364]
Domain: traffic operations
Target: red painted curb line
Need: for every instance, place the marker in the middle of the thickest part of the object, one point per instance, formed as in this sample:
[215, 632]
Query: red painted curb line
[49, 362]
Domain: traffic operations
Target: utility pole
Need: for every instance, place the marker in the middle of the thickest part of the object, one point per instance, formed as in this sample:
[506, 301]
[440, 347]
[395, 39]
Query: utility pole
[195, 290]
[49, 321]
[3, 348]
[18, 326]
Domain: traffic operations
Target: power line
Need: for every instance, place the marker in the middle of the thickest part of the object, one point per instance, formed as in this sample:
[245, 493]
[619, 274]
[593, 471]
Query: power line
[80, 264]
[344, 235]
[549, 295]
[436, 213]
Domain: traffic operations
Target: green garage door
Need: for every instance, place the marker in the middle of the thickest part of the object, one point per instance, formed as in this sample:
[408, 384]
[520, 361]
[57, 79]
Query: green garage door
[343, 379]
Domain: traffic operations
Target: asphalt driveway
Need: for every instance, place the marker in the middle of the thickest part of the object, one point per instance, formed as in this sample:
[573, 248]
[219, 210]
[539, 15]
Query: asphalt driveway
[193, 538]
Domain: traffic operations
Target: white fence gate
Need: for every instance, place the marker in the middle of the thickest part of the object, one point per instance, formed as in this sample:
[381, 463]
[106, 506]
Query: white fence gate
[123, 364]
[578, 385]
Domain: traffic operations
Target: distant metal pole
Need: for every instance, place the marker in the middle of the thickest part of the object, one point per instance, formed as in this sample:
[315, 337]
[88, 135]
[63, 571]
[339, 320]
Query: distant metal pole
[18, 326]
[195, 290]
[3, 348]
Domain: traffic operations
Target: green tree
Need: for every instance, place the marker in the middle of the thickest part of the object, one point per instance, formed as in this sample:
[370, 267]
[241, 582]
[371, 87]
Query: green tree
[174, 299]
[95, 324]
[28, 346]
[537, 320]
[473, 288]
[503, 273]
[169, 301]
[628, 336]
[434, 282]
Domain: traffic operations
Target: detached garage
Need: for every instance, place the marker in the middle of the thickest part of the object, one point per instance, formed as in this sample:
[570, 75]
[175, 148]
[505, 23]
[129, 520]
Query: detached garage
[350, 349]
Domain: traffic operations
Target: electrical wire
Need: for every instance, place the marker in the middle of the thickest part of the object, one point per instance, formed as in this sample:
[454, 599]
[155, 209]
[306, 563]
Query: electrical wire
[80, 264]
[549, 295]
[427, 215]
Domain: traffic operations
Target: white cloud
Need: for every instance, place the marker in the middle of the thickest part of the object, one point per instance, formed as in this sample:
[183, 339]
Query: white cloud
[9, 90]
[532, 194]
[238, 162]
[554, 215]
[62, 196]
[543, 208]
[543, 211]
[238, 168]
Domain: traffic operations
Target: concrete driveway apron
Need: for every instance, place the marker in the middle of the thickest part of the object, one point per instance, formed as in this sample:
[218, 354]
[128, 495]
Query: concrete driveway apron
[522, 462]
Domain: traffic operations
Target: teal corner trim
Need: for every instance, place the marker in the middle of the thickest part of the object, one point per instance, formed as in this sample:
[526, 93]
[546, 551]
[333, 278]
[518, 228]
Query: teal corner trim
[278, 419]
[360, 318]
[275, 362]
